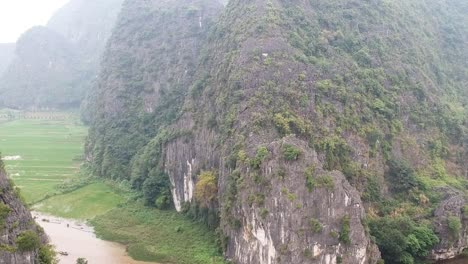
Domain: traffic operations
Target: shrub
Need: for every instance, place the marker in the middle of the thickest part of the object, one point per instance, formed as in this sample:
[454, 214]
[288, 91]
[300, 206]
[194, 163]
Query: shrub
[156, 190]
[309, 175]
[206, 188]
[4, 211]
[47, 255]
[163, 201]
[336, 152]
[372, 190]
[454, 225]
[339, 260]
[325, 181]
[345, 230]
[401, 175]
[465, 211]
[28, 241]
[81, 261]
[401, 240]
[290, 152]
[261, 154]
[315, 225]
[264, 213]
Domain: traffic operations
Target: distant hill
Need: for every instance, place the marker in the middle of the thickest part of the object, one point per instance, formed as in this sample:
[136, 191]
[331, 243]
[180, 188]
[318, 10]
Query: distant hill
[45, 73]
[7, 50]
[54, 66]
[88, 25]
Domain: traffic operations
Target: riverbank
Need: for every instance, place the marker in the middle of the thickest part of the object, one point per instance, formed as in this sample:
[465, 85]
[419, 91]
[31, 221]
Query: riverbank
[75, 239]
[160, 236]
[45, 155]
[460, 260]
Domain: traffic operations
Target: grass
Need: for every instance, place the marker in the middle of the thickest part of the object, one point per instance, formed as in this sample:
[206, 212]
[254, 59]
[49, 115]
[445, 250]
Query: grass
[50, 152]
[83, 203]
[161, 236]
[49, 176]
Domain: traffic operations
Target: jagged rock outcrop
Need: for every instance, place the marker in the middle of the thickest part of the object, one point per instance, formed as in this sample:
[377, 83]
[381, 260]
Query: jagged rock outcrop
[284, 220]
[15, 220]
[306, 112]
[452, 209]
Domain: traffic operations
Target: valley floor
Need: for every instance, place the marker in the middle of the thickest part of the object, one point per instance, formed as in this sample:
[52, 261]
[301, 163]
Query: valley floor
[43, 154]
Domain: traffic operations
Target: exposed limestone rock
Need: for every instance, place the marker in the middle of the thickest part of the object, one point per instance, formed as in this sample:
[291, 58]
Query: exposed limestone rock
[18, 220]
[450, 245]
[277, 229]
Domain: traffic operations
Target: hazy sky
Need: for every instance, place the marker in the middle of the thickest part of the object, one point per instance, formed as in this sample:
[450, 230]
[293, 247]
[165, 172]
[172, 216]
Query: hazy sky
[16, 16]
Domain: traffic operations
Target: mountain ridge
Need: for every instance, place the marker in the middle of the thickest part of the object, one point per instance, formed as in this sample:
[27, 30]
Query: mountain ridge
[298, 116]
[80, 28]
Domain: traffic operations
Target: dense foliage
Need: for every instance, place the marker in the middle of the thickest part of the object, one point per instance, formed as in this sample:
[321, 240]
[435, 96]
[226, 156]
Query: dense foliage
[401, 240]
[28, 241]
[373, 89]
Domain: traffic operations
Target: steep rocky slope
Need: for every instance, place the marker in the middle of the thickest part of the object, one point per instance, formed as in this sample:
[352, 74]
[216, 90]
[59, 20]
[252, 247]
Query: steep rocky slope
[7, 50]
[313, 129]
[54, 66]
[22, 241]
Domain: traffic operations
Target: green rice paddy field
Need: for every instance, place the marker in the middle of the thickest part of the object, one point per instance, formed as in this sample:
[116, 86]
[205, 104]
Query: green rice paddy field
[41, 153]
[44, 150]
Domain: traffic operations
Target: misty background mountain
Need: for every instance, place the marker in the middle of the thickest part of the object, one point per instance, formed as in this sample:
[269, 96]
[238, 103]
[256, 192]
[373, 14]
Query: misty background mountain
[54, 66]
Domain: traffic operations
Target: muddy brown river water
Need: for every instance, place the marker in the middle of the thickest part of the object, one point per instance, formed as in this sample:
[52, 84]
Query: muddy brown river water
[455, 261]
[79, 241]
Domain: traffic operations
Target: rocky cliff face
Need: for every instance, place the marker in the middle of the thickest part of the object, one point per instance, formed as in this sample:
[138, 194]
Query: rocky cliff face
[16, 221]
[322, 122]
[147, 71]
[451, 211]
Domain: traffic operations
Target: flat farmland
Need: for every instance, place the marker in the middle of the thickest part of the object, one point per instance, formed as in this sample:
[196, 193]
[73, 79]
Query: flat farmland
[41, 151]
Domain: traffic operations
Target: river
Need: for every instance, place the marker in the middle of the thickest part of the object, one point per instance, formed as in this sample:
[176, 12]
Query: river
[79, 241]
[455, 261]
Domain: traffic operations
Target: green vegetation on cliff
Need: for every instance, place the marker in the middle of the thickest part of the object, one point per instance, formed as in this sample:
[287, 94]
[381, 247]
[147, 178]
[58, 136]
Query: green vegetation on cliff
[373, 89]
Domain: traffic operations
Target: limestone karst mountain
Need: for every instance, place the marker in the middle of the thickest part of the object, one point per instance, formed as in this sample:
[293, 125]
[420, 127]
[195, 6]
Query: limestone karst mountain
[54, 66]
[88, 25]
[305, 131]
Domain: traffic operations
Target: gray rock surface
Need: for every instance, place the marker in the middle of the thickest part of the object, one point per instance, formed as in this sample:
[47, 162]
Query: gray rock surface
[19, 219]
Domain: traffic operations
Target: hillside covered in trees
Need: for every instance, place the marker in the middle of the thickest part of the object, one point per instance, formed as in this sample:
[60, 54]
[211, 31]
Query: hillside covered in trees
[54, 66]
[303, 131]
[7, 51]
